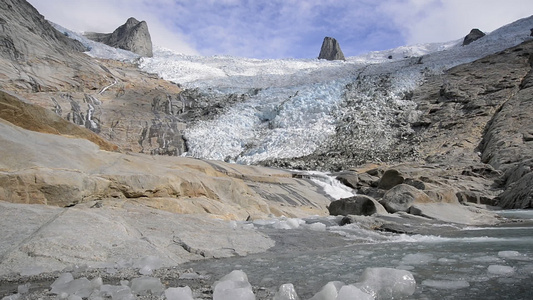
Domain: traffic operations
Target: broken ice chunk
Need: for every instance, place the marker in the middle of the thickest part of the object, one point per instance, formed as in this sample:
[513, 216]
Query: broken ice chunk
[145, 285]
[329, 292]
[23, 288]
[446, 284]
[179, 293]
[147, 264]
[117, 292]
[351, 292]
[286, 292]
[387, 283]
[233, 286]
[500, 270]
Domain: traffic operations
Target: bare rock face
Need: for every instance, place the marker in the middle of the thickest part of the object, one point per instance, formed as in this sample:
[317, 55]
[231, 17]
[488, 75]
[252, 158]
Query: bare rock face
[37, 37]
[331, 50]
[132, 36]
[475, 34]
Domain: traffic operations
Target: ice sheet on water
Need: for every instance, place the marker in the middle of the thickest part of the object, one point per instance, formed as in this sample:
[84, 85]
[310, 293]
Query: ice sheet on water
[179, 293]
[286, 292]
[446, 284]
[418, 259]
[501, 270]
[515, 255]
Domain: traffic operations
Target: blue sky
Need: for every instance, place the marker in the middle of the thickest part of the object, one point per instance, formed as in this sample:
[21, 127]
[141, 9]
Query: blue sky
[288, 28]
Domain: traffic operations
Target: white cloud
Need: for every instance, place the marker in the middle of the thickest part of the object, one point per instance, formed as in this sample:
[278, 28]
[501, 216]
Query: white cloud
[288, 28]
[425, 21]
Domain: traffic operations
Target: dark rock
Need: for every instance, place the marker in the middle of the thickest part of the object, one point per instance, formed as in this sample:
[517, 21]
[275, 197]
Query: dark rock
[415, 183]
[365, 179]
[348, 179]
[371, 192]
[396, 228]
[474, 197]
[402, 197]
[132, 36]
[331, 50]
[390, 179]
[531, 34]
[474, 35]
[518, 191]
[357, 205]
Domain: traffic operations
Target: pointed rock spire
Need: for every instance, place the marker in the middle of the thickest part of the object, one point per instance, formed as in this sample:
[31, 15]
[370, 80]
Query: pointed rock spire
[132, 36]
[331, 50]
[475, 34]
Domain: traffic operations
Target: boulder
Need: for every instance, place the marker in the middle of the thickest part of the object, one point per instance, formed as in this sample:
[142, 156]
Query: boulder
[390, 179]
[402, 197]
[357, 205]
[348, 179]
[475, 34]
[331, 50]
[132, 36]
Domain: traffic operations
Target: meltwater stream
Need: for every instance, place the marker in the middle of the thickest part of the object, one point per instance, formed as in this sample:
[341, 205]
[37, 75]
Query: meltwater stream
[471, 263]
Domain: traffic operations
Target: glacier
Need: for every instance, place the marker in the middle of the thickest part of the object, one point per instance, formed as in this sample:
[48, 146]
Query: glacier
[292, 108]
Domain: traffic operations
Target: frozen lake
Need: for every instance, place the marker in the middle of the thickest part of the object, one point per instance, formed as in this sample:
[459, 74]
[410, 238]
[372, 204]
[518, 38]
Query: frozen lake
[471, 263]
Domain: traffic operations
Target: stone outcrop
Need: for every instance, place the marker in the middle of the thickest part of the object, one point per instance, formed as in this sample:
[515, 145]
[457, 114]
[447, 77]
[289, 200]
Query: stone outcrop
[36, 118]
[474, 35]
[34, 36]
[63, 171]
[402, 197]
[360, 205]
[132, 36]
[331, 50]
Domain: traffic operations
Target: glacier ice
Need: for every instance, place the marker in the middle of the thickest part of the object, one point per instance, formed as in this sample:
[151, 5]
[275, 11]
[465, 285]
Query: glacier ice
[501, 270]
[117, 292]
[330, 291]
[147, 264]
[233, 286]
[446, 284]
[146, 286]
[286, 292]
[179, 293]
[387, 283]
[351, 292]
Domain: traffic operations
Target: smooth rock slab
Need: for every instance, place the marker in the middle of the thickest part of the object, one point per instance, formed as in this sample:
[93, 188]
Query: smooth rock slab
[401, 197]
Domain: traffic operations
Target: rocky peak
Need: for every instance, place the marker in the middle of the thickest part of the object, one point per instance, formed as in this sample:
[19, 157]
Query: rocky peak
[331, 50]
[132, 36]
[474, 34]
[25, 33]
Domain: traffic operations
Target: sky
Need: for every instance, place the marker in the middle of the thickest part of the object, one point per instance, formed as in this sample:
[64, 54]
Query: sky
[287, 28]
